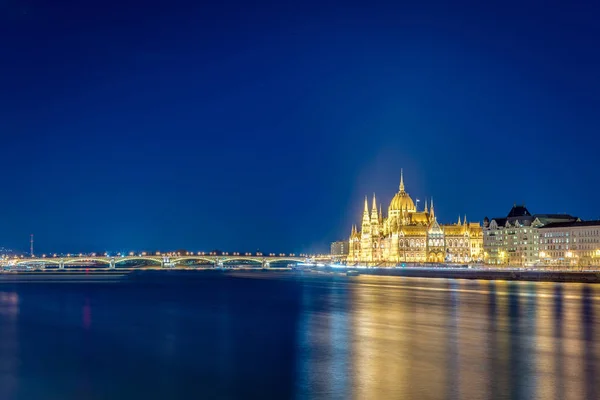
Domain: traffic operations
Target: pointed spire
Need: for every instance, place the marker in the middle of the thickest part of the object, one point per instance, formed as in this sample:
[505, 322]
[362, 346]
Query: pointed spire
[401, 180]
[465, 220]
[380, 214]
[374, 216]
[366, 220]
[425, 210]
[431, 211]
[458, 223]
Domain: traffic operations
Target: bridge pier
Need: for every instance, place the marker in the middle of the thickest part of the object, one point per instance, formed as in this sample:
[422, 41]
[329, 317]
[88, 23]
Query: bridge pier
[61, 264]
[112, 264]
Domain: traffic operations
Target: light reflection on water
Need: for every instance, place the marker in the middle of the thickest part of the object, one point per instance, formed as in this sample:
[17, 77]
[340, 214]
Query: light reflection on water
[465, 340]
[288, 336]
[9, 361]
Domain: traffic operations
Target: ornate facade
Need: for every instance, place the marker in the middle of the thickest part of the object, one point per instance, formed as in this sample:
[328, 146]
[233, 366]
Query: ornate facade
[515, 239]
[410, 235]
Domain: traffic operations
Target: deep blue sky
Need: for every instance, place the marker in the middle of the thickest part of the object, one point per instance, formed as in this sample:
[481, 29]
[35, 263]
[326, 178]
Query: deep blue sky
[138, 124]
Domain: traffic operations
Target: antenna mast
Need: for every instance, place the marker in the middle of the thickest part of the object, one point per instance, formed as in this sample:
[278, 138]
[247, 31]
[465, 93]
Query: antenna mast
[31, 246]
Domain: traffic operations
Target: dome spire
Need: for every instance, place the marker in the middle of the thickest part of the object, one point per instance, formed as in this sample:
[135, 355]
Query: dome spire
[401, 180]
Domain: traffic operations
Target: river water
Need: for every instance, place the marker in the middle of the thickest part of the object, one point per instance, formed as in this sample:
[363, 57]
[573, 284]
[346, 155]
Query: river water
[291, 336]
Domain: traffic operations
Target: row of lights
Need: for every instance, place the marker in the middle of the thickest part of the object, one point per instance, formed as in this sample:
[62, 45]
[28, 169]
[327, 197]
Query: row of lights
[158, 253]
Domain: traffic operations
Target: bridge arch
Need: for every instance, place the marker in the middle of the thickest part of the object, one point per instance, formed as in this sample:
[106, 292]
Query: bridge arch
[39, 260]
[278, 260]
[84, 259]
[119, 260]
[191, 258]
[235, 258]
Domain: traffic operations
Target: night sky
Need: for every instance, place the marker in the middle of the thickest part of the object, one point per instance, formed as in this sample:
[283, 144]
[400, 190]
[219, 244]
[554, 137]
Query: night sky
[167, 125]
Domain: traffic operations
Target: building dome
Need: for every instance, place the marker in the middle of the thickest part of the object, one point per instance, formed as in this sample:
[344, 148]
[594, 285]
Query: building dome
[402, 200]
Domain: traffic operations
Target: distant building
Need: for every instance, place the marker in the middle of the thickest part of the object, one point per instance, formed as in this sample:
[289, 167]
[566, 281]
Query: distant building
[514, 239]
[407, 234]
[570, 243]
[339, 248]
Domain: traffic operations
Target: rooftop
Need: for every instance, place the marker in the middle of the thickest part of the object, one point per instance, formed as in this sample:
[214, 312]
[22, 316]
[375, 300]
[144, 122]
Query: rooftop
[570, 224]
[518, 211]
[556, 216]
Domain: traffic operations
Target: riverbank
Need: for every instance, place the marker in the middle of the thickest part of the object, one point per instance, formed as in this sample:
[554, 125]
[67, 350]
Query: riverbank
[486, 274]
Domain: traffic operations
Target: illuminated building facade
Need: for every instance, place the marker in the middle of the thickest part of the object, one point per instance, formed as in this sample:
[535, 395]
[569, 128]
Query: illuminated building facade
[570, 243]
[409, 235]
[339, 248]
[514, 239]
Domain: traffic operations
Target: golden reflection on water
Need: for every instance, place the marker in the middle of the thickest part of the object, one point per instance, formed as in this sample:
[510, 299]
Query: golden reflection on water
[389, 337]
[379, 348]
[568, 339]
[473, 339]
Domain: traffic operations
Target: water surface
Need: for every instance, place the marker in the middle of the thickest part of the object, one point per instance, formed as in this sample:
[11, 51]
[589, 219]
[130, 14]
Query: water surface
[289, 336]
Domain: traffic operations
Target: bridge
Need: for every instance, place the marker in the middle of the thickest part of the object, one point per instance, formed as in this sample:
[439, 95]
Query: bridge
[164, 261]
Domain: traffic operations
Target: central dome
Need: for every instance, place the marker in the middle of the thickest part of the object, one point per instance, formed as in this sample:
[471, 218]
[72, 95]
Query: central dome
[402, 200]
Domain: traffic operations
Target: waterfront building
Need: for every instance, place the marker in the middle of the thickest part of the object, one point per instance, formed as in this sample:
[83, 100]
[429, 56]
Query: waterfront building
[514, 239]
[410, 235]
[570, 243]
[339, 248]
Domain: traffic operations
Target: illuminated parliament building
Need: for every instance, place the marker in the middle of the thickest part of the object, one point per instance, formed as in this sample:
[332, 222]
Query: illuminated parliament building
[410, 235]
